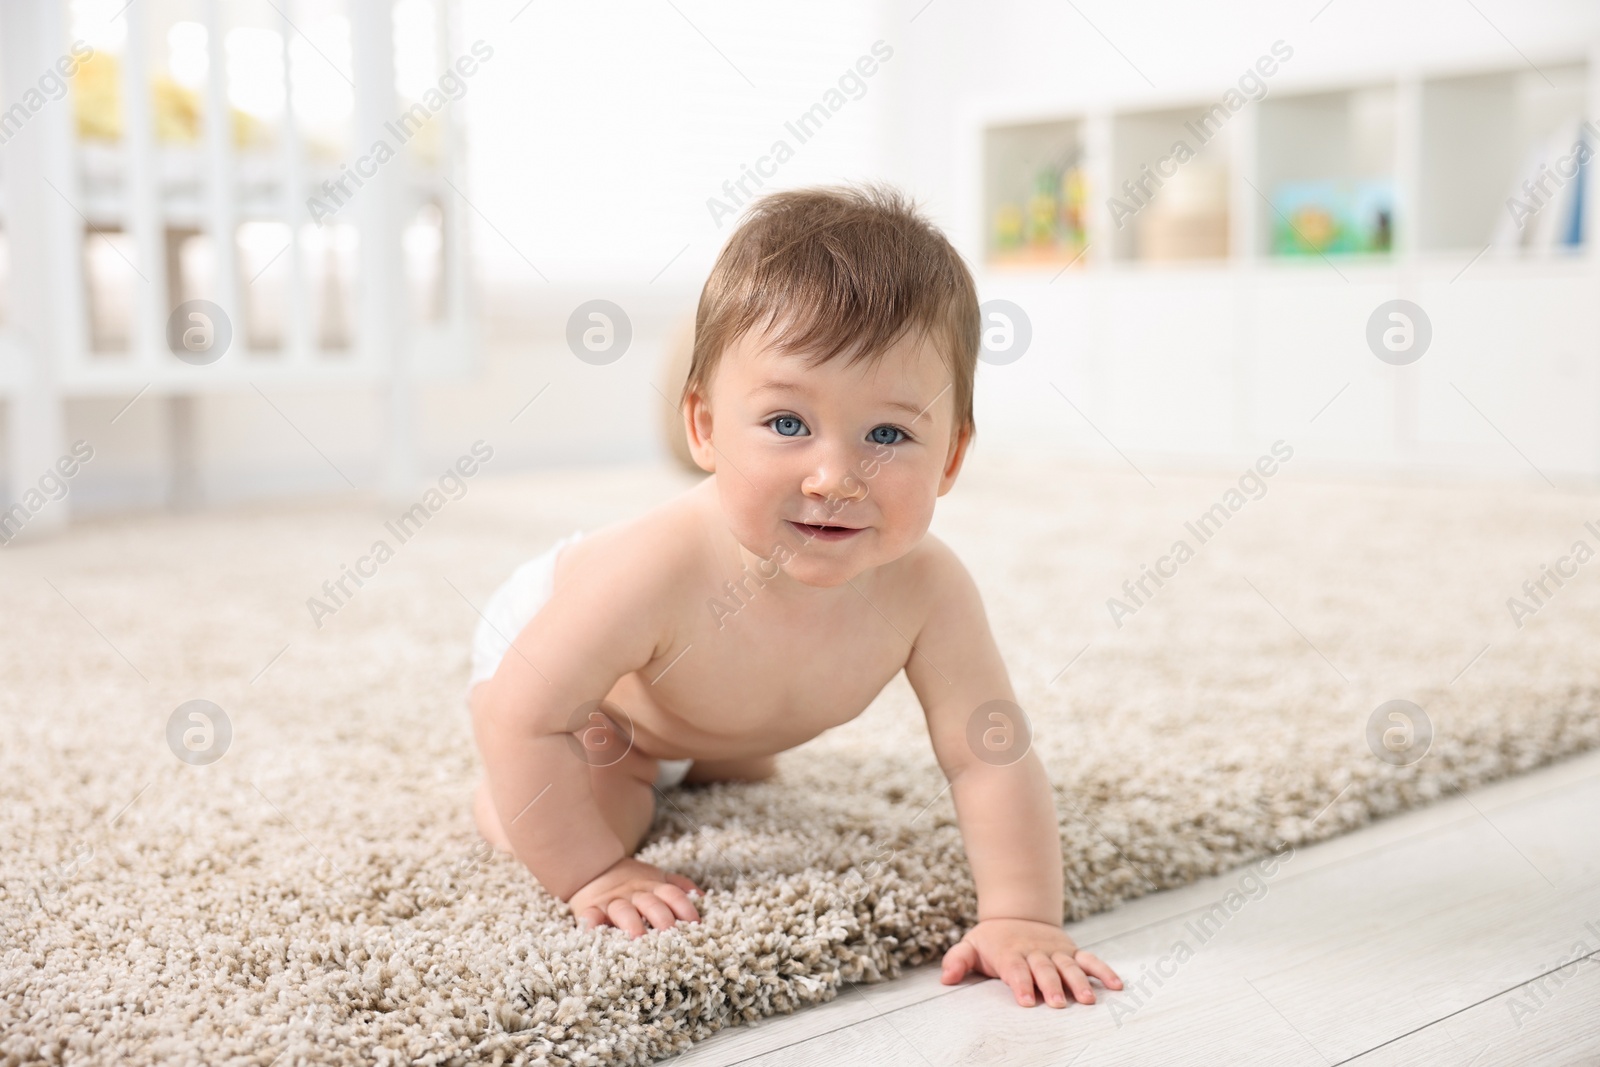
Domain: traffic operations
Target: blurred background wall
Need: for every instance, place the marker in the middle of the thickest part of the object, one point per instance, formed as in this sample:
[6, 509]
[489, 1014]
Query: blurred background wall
[595, 141]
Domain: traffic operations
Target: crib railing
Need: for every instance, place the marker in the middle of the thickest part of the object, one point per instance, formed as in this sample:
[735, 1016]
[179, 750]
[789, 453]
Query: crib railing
[151, 204]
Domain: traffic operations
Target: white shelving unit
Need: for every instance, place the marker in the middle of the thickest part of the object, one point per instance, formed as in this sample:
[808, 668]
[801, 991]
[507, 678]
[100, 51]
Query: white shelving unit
[1194, 337]
[105, 238]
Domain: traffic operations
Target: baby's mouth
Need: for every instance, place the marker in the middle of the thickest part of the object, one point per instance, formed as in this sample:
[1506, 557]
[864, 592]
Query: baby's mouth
[822, 532]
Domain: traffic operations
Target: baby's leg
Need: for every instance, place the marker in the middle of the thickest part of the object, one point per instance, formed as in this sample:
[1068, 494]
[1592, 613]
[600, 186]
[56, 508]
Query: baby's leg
[488, 820]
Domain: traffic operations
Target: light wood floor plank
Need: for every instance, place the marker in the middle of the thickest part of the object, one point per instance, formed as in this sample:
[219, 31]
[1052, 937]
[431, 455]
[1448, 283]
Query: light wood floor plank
[1552, 1021]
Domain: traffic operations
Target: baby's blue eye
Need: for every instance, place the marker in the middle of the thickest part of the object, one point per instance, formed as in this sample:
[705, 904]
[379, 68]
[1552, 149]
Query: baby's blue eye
[880, 441]
[787, 425]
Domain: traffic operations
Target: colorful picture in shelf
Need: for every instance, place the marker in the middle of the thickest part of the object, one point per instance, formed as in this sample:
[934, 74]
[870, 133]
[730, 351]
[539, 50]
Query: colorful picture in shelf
[1322, 217]
[1049, 226]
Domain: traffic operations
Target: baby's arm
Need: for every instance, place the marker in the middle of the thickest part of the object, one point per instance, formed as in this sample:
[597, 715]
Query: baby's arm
[567, 658]
[1003, 799]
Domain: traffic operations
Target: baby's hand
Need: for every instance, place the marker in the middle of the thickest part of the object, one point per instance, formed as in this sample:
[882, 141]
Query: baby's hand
[1024, 953]
[629, 889]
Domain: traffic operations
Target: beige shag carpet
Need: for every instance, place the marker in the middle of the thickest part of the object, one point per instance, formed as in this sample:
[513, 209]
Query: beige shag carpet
[317, 895]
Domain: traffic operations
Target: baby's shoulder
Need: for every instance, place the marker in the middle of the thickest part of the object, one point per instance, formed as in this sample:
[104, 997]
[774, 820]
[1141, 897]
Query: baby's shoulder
[637, 560]
[928, 575]
[619, 584]
[932, 564]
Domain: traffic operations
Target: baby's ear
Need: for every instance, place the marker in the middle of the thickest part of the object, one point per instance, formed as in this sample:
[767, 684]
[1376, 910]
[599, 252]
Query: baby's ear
[958, 455]
[697, 431]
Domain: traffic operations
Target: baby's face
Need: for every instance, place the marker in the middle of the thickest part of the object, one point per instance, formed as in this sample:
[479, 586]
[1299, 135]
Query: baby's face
[868, 447]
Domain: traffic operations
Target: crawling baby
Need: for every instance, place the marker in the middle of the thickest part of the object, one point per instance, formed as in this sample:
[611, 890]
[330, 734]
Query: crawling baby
[830, 397]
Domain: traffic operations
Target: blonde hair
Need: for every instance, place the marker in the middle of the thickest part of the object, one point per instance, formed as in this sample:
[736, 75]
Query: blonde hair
[835, 270]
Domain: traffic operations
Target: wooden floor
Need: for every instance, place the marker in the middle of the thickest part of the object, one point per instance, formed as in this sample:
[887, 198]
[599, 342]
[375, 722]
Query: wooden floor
[1466, 933]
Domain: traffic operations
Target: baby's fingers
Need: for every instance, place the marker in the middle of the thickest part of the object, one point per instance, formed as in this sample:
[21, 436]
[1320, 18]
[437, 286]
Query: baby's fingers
[655, 909]
[1098, 967]
[1044, 973]
[680, 904]
[593, 917]
[681, 882]
[957, 962]
[1076, 981]
[1014, 972]
[626, 917]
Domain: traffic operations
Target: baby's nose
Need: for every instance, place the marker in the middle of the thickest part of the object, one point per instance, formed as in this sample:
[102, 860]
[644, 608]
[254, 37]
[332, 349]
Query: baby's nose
[837, 479]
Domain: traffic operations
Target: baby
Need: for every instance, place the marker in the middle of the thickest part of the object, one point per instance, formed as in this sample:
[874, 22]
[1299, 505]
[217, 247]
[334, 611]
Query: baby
[830, 397]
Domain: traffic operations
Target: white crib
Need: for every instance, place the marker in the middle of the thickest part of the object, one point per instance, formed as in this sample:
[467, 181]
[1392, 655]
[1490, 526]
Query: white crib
[67, 203]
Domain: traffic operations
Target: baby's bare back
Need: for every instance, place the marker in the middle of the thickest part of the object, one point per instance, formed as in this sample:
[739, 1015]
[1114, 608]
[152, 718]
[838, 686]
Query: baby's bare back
[746, 661]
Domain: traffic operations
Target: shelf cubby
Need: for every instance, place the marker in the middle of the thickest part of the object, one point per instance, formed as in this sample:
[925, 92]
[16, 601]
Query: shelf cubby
[1027, 170]
[1338, 149]
[1481, 134]
[1180, 201]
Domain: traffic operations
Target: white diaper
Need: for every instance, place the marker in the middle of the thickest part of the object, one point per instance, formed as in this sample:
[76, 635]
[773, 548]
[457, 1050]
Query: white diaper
[669, 772]
[510, 607]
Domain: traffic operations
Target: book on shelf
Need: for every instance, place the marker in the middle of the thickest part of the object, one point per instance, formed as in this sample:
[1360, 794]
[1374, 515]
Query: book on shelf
[1544, 209]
